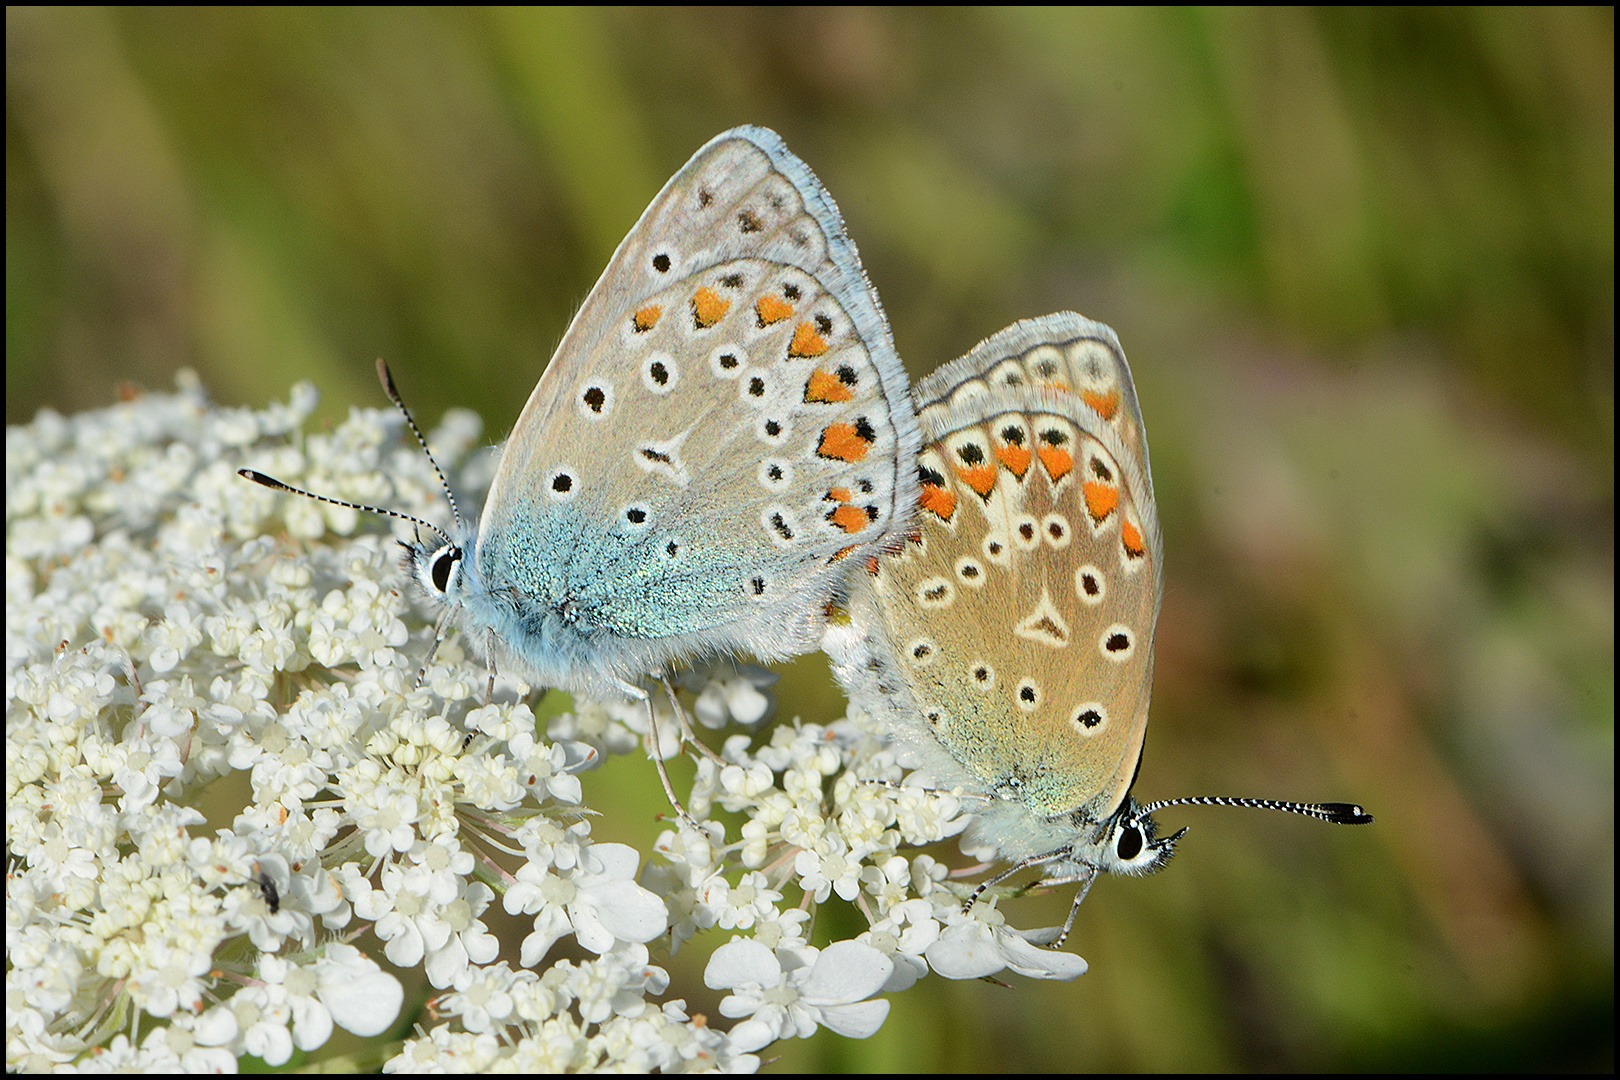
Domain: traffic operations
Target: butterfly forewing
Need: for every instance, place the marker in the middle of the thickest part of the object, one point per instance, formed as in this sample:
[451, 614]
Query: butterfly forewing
[723, 421]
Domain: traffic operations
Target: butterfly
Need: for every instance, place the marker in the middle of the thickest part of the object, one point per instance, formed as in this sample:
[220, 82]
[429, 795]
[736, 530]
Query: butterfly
[1007, 645]
[723, 430]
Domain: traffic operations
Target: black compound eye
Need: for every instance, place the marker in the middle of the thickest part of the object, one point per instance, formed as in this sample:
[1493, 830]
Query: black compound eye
[443, 566]
[1129, 844]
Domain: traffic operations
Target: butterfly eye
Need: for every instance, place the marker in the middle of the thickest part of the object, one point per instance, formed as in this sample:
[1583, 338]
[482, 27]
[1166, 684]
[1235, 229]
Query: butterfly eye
[444, 564]
[1129, 844]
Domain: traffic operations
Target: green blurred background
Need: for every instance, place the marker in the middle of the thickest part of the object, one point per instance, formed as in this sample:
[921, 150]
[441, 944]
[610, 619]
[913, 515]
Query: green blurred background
[1363, 265]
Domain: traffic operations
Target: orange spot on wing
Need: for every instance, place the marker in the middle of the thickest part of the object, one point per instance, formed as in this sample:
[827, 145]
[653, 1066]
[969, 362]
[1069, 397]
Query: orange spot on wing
[937, 501]
[771, 309]
[843, 442]
[1105, 402]
[708, 308]
[837, 494]
[647, 318]
[825, 387]
[1131, 537]
[852, 519]
[806, 342]
[1057, 462]
[981, 478]
[1015, 458]
[1101, 499]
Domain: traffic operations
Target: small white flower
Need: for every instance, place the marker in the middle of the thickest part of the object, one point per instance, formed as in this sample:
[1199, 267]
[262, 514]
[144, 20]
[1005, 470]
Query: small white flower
[786, 993]
[550, 769]
[169, 977]
[743, 785]
[172, 707]
[804, 825]
[388, 817]
[173, 638]
[44, 970]
[470, 941]
[598, 900]
[830, 870]
[782, 927]
[905, 936]
[187, 1045]
[57, 858]
[973, 948]
[556, 1046]
[408, 921]
[360, 996]
[739, 699]
[261, 1016]
[608, 905]
[888, 884]
[668, 1041]
[483, 996]
[616, 984]
[739, 906]
[548, 843]
[143, 766]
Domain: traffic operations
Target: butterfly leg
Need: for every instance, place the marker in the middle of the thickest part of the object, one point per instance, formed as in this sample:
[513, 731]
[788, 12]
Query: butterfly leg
[1074, 909]
[687, 734]
[489, 657]
[653, 751]
[1022, 864]
[1085, 878]
[439, 631]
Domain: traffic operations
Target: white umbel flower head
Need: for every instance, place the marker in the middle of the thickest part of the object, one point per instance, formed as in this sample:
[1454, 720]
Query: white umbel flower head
[175, 633]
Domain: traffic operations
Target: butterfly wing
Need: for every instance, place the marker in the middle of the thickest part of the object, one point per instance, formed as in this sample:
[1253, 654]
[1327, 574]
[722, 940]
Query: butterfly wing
[1014, 631]
[725, 420]
[1064, 352]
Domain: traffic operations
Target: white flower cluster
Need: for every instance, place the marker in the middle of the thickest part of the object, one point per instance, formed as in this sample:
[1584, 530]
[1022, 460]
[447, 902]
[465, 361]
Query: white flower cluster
[177, 638]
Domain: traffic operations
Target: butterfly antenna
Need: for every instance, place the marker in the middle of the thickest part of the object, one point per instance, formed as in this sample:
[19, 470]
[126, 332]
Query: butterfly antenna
[276, 485]
[1338, 813]
[399, 403]
[393, 395]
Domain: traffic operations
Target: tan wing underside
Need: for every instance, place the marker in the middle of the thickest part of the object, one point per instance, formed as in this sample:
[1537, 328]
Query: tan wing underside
[1037, 685]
